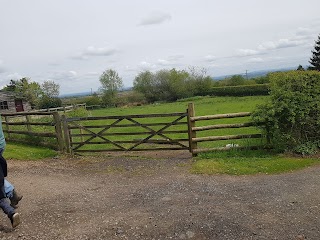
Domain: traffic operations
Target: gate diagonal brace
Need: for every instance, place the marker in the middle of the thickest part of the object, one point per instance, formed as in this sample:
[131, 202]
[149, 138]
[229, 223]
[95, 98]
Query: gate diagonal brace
[171, 141]
[94, 135]
[155, 133]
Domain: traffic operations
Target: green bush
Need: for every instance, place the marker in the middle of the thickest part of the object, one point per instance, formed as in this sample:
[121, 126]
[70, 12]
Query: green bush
[292, 115]
[241, 90]
[78, 112]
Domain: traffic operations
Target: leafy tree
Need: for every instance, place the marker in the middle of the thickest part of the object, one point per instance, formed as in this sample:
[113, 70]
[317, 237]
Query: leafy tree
[111, 84]
[291, 116]
[199, 83]
[236, 80]
[49, 102]
[50, 89]
[50, 93]
[170, 85]
[315, 59]
[300, 68]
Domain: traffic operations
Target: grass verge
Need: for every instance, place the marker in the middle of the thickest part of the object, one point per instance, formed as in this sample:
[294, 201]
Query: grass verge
[20, 151]
[237, 162]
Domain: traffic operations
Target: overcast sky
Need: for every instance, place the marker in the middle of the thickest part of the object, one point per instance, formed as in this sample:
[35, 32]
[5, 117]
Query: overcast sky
[73, 41]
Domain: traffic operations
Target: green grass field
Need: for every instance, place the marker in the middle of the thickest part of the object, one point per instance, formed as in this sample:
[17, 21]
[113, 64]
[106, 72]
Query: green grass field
[231, 162]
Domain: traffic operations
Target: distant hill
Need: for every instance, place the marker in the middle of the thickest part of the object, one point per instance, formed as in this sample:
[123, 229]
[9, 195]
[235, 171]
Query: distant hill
[83, 94]
[255, 73]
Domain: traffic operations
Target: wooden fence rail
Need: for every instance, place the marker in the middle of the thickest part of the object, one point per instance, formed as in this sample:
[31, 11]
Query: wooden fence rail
[22, 126]
[194, 140]
[144, 132]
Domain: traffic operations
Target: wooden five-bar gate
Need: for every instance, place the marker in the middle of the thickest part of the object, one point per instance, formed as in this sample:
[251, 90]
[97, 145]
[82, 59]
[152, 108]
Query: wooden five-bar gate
[145, 132]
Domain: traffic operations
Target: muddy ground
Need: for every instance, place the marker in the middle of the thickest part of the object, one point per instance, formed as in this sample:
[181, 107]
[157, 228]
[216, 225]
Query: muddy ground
[154, 196]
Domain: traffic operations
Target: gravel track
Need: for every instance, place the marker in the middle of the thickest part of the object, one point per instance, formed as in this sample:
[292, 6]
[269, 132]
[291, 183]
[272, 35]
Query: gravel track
[153, 196]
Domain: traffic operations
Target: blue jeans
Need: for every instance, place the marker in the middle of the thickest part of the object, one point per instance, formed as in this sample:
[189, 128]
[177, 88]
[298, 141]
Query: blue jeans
[8, 188]
[6, 207]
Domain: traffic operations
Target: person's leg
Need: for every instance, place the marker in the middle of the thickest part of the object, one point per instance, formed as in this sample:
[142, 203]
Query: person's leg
[12, 215]
[8, 188]
[11, 193]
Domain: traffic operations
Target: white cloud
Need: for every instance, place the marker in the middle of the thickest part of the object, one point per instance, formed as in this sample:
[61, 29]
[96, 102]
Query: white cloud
[255, 60]
[104, 51]
[92, 51]
[145, 66]
[14, 76]
[63, 75]
[155, 18]
[282, 43]
[210, 58]
[163, 62]
[247, 52]
[175, 57]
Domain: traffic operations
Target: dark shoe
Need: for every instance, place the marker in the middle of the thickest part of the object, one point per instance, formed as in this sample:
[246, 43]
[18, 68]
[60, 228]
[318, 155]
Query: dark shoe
[15, 219]
[15, 199]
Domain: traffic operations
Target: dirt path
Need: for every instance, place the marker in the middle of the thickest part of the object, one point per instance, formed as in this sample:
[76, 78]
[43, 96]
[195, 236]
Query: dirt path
[122, 197]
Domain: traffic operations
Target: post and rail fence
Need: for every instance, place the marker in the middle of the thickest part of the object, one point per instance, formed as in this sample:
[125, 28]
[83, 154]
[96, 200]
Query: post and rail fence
[145, 132]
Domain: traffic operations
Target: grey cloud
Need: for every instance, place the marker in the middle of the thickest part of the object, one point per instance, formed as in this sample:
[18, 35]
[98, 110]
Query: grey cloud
[155, 18]
[247, 52]
[255, 60]
[164, 62]
[282, 43]
[2, 67]
[145, 66]
[63, 75]
[92, 51]
[104, 51]
[210, 58]
[14, 76]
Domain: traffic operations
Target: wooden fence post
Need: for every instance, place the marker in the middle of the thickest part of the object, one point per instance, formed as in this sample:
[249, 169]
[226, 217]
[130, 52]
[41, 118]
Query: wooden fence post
[191, 124]
[66, 134]
[28, 123]
[58, 130]
[7, 126]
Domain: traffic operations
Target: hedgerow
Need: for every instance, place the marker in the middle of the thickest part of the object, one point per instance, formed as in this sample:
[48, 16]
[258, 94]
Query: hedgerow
[292, 115]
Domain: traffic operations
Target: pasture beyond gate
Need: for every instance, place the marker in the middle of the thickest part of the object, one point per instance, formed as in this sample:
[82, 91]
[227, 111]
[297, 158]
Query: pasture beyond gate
[147, 132]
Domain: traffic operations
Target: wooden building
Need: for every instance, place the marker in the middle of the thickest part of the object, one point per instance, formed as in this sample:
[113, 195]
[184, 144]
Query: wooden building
[10, 102]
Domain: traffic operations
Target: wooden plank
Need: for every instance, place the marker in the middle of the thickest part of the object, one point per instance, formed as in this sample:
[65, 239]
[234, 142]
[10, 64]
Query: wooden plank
[191, 124]
[216, 138]
[155, 115]
[58, 130]
[129, 133]
[127, 125]
[135, 149]
[66, 134]
[220, 126]
[220, 116]
[135, 141]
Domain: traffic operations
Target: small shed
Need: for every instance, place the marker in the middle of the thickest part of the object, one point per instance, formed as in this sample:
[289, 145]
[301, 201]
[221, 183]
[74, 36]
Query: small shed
[10, 102]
